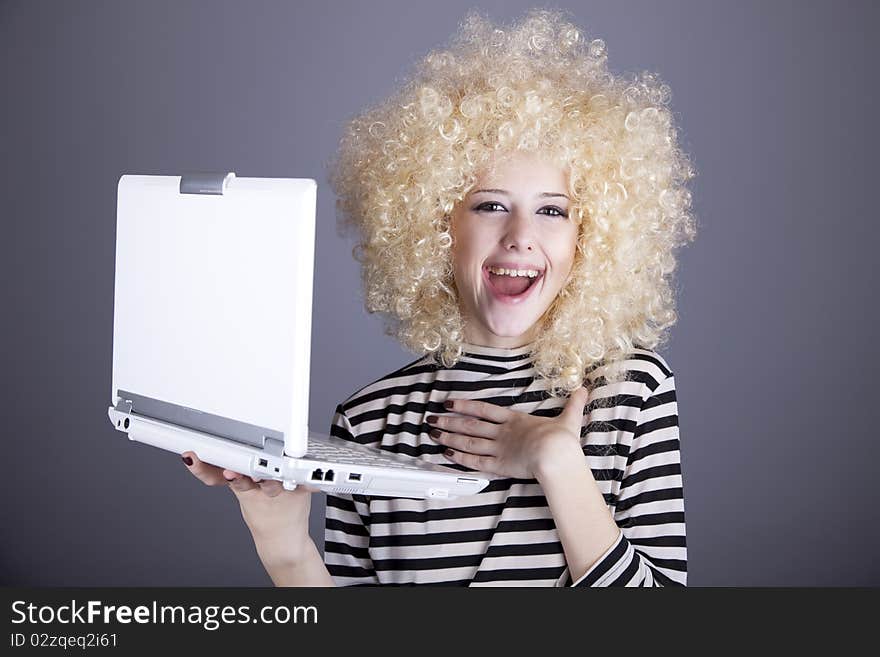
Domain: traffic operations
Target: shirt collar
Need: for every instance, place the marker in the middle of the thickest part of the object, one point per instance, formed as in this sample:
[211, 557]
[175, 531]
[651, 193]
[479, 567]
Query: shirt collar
[504, 357]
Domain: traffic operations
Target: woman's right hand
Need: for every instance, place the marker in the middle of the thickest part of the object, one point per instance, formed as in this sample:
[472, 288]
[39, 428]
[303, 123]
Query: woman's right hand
[278, 519]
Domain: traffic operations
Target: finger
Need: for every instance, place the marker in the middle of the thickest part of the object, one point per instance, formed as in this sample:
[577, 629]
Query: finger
[472, 461]
[469, 426]
[242, 484]
[271, 487]
[462, 443]
[573, 412]
[229, 475]
[481, 409]
[204, 472]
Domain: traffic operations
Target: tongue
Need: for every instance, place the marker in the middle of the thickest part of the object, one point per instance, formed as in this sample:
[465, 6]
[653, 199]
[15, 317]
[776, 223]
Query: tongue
[511, 285]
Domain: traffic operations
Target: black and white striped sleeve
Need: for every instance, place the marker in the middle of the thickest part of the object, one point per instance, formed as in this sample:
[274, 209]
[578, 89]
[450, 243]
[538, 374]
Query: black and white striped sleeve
[651, 548]
[346, 527]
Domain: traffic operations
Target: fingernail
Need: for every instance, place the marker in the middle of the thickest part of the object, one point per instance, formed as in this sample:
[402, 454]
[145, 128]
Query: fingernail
[449, 452]
[447, 403]
[431, 419]
[435, 433]
[187, 460]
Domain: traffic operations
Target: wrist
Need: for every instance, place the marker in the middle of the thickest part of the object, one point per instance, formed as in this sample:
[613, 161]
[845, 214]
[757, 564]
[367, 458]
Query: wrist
[279, 552]
[307, 570]
[560, 455]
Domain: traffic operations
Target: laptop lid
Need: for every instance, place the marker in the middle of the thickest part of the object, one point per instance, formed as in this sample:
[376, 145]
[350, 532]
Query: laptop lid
[213, 304]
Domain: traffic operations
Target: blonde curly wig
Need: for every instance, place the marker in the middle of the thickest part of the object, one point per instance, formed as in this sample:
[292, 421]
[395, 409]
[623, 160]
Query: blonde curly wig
[537, 85]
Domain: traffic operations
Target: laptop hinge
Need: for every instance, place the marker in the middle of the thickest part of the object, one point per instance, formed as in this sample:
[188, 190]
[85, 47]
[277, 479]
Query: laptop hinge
[271, 463]
[205, 183]
[269, 440]
[124, 406]
[272, 446]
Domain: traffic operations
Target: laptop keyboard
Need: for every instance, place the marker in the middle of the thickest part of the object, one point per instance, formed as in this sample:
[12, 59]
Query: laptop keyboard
[349, 456]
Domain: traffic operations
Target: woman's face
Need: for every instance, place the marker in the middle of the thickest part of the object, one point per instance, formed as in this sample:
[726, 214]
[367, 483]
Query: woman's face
[514, 220]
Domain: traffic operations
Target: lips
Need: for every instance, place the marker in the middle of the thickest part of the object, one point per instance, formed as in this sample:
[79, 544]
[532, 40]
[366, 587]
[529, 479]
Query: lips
[514, 265]
[511, 299]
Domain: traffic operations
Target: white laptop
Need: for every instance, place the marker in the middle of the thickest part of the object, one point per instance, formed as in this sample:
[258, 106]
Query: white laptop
[212, 336]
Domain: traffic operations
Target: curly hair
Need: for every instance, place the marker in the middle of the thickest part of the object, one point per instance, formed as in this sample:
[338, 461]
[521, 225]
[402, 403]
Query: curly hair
[539, 86]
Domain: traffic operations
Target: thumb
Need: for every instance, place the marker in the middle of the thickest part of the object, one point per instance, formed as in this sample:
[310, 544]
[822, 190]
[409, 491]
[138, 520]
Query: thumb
[574, 408]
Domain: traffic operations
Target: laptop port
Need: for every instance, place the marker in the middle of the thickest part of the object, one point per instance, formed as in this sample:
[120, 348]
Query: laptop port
[318, 474]
[329, 475]
[354, 476]
[264, 462]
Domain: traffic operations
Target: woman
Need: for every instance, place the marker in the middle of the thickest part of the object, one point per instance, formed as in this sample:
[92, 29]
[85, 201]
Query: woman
[517, 209]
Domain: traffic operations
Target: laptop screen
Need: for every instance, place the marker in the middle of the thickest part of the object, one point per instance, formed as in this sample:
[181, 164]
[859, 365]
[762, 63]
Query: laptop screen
[213, 300]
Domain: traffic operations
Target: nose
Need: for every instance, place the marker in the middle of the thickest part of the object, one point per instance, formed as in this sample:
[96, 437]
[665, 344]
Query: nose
[519, 233]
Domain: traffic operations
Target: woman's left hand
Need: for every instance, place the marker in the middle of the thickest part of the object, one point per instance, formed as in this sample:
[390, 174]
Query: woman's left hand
[501, 441]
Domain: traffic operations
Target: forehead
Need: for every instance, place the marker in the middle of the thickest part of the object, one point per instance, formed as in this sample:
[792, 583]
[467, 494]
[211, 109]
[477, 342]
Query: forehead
[524, 171]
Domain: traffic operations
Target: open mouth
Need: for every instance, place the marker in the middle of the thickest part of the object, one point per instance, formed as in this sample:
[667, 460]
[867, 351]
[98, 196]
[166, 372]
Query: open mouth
[511, 289]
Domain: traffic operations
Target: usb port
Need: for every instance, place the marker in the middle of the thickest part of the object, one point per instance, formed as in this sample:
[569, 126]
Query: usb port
[354, 476]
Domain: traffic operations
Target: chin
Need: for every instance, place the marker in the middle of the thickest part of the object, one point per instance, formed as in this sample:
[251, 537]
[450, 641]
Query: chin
[511, 330]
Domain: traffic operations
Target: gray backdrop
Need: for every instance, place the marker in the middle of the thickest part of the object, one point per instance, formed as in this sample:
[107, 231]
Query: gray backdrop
[773, 352]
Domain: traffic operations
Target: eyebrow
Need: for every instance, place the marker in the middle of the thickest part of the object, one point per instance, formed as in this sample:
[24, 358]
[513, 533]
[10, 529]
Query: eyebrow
[504, 191]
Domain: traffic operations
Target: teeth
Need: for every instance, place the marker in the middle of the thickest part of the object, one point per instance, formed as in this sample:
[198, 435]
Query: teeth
[501, 271]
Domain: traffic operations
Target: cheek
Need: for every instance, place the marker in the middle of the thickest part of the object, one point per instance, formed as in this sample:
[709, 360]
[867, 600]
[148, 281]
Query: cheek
[466, 272]
[466, 251]
[564, 252]
[468, 277]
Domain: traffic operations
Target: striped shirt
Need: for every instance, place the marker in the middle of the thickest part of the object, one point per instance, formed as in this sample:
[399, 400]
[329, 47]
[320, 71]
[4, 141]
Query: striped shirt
[505, 534]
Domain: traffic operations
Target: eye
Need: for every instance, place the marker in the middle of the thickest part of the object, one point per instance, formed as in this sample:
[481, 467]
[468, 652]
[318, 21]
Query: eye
[488, 206]
[557, 212]
[494, 206]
